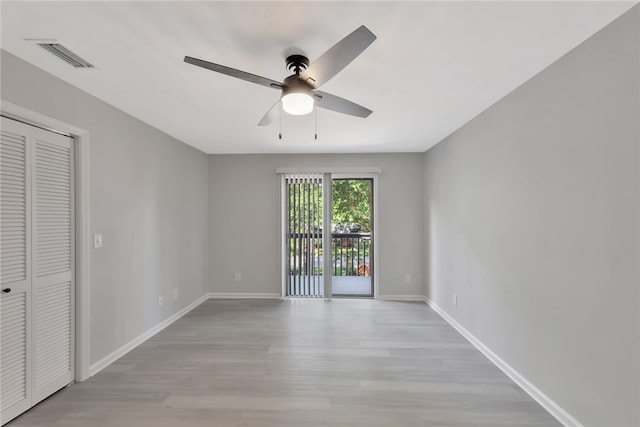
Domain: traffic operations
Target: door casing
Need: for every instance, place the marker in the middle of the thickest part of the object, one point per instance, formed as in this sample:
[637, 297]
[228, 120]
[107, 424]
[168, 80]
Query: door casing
[82, 230]
[329, 174]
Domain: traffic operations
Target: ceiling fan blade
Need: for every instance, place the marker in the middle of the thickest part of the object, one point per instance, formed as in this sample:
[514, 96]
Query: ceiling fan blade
[335, 103]
[233, 72]
[338, 57]
[270, 115]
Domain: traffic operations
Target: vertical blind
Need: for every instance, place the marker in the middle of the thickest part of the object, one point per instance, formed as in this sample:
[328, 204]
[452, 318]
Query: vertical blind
[304, 235]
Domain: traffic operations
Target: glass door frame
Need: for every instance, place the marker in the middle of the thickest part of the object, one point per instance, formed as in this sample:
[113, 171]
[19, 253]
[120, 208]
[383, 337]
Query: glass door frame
[372, 249]
[328, 176]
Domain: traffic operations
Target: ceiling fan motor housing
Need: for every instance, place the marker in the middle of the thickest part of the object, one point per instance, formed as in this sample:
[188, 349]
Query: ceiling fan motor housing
[297, 63]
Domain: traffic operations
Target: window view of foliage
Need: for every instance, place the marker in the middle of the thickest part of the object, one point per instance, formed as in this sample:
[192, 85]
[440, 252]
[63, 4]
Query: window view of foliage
[351, 207]
[352, 202]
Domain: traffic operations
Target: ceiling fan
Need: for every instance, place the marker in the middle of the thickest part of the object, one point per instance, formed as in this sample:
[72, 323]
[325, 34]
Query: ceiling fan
[299, 90]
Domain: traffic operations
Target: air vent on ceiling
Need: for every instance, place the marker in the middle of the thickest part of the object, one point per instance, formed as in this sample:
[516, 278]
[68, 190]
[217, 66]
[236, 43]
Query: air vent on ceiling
[65, 54]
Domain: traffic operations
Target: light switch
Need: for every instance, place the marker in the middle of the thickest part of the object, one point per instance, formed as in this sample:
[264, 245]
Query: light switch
[97, 241]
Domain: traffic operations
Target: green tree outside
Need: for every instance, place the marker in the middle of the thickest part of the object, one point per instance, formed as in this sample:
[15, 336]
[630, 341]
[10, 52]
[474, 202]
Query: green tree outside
[352, 202]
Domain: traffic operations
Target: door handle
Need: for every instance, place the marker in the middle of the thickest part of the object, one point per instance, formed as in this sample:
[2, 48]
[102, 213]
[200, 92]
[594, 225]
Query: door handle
[6, 290]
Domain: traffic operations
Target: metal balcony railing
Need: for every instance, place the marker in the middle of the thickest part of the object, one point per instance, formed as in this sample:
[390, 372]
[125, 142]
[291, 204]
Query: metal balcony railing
[350, 254]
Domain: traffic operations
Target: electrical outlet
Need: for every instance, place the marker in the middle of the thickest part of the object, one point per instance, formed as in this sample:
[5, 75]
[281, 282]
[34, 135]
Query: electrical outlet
[238, 277]
[97, 241]
[175, 293]
[454, 299]
[160, 301]
[407, 278]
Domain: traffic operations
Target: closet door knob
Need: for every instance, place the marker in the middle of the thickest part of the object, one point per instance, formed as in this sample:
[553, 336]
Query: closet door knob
[6, 290]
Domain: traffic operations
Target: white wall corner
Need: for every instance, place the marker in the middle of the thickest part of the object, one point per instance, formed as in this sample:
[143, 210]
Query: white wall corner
[536, 394]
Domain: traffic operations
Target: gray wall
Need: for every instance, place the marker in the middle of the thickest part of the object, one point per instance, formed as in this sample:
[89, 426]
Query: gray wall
[532, 218]
[148, 198]
[244, 209]
[530, 213]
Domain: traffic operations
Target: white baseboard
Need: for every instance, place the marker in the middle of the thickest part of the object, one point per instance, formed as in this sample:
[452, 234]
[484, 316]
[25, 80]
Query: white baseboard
[243, 295]
[552, 407]
[108, 360]
[401, 297]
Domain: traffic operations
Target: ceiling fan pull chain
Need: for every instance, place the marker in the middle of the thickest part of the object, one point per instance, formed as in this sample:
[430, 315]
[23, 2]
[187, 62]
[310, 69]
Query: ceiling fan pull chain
[316, 113]
[280, 122]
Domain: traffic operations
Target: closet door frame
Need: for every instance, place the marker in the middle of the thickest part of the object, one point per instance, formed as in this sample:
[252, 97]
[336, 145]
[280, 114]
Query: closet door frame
[83, 238]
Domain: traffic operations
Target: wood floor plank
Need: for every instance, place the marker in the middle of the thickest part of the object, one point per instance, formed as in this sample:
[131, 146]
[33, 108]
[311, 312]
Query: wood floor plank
[298, 363]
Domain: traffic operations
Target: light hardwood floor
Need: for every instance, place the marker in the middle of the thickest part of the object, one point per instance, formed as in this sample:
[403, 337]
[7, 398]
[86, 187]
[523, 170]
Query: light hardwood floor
[297, 363]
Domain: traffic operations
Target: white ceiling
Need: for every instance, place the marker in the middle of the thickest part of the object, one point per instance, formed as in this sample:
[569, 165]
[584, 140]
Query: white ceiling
[434, 66]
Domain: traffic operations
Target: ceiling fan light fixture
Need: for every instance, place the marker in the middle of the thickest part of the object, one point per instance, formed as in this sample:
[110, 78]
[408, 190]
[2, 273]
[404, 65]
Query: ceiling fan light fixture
[297, 103]
[299, 90]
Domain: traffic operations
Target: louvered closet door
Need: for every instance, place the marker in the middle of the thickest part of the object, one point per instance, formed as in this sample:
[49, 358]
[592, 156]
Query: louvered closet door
[15, 274]
[53, 263]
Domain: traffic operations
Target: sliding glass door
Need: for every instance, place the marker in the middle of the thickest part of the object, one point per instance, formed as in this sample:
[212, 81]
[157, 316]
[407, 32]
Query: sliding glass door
[328, 248]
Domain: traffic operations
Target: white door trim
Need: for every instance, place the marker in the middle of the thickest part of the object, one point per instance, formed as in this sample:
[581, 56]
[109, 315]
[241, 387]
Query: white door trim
[367, 173]
[358, 170]
[327, 204]
[83, 237]
[283, 236]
